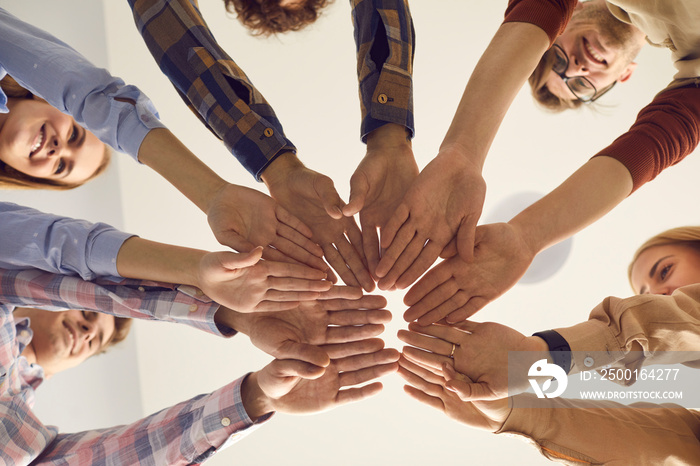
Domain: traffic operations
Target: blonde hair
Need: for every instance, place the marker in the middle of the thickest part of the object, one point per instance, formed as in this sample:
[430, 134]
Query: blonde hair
[680, 235]
[541, 93]
[15, 179]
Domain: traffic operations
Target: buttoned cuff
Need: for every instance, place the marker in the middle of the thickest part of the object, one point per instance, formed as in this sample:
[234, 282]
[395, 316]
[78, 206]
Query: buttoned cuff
[101, 257]
[593, 345]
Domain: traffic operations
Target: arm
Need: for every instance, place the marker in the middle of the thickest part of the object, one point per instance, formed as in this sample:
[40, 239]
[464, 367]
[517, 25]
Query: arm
[384, 68]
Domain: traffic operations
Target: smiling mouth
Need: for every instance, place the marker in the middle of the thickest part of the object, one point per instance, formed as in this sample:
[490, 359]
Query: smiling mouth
[73, 336]
[39, 141]
[592, 53]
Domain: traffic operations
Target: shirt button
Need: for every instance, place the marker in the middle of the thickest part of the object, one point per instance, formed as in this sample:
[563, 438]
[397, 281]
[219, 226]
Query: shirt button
[226, 422]
[142, 289]
[382, 98]
[269, 132]
[24, 334]
[193, 307]
[588, 362]
[198, 292]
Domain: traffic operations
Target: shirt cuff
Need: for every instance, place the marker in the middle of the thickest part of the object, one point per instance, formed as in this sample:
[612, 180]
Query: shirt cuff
[592, 345]
[104, 247]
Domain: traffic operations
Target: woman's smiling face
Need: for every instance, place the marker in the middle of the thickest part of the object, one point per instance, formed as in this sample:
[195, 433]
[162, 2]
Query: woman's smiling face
[662, 269]
[40, 141]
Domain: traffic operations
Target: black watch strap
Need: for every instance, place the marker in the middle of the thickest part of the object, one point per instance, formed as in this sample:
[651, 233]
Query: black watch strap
[559, 348]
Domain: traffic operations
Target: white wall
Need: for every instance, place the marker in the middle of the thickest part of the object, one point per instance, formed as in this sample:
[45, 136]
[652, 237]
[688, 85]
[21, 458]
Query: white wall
[309, 78]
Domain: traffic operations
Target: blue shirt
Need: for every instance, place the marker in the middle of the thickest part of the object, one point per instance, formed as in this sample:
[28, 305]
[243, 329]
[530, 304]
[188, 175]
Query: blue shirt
[52, 70]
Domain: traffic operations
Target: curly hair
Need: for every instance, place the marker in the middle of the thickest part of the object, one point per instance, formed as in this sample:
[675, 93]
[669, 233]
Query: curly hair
[542, 95]
[687, 236]
[267, 17]
[14, 179]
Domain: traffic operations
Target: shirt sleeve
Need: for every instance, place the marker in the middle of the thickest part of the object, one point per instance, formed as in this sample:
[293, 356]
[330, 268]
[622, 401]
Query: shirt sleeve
[214, 87]
[664, 132]
[119, 115]
[128, 298]
[33, 239]
[667, 328]
[577, 432]
[187, 433]
[551, 16]
[385, 44]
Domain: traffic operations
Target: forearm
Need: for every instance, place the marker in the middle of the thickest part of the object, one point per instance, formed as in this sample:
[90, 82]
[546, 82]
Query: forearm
[149, 260]
[165, 154]
[277, 170]
[496, 80]
[587, 195]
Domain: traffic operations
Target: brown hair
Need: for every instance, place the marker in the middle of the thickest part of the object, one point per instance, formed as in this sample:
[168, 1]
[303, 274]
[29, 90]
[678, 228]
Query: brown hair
[689, 236]
[14, 179]
[542, 95]
[266, 17]
[122, 325]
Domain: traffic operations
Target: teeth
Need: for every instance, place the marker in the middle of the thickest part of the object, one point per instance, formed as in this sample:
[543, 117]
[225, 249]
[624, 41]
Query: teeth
[595, 54]
[39, 141]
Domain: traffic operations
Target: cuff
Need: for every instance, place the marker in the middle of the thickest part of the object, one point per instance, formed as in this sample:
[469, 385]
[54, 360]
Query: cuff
[103, 249]
[592, 344]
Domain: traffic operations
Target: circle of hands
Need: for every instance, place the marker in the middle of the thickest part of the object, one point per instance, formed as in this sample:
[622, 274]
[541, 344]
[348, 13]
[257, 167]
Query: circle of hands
[280, 292]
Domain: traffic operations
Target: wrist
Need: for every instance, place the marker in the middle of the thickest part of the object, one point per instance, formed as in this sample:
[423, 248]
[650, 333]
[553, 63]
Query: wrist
[390, 135]
[225, 317]
[255, 402]
[462, 157]
[279, 168]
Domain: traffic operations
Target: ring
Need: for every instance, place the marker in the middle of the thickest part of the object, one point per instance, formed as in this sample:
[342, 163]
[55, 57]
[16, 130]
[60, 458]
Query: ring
[452, 353]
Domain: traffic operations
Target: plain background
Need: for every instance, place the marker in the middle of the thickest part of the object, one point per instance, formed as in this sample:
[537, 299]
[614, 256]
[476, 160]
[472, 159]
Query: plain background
[310, 79]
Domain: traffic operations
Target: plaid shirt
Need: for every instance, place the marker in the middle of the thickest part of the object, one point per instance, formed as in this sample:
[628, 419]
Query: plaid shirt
[186, 433]
[219, 92]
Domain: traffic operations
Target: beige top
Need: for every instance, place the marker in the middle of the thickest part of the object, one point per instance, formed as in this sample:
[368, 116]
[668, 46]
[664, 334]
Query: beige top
[596, 432]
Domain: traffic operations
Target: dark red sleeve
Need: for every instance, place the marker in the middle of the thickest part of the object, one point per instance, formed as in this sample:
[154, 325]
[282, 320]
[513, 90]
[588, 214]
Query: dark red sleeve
[665, 132]
[551, 16]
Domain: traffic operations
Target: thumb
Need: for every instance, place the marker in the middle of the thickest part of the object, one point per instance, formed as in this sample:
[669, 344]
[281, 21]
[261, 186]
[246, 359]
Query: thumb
[231, 260]
[359, 186]
[465, 240]
[329, 197]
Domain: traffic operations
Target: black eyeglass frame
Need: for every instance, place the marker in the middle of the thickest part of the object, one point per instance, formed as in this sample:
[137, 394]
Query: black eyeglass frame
[586, 100]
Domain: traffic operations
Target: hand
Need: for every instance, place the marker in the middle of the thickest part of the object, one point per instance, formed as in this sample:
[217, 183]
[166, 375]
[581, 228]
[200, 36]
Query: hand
[455, 289]
[286, 392]
[243, 218]
[445, 201]
[379, 184]
[429, 388]
[312, 198]
[245, 284]
[481, 354]
[297, 333]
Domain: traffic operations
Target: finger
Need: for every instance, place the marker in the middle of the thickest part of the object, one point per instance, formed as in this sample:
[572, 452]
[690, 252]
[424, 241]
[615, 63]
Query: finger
[359, 317]
[353, 333]
[298, 253]
[351, 395]
[286, 285]
[356, 263]
[342, 293]
[450, 249]
[443, 332]
[344, 350]
[426, 258]
[302, 352]
[231, 261]
[392, 253]
[392, 227]
[275, 306]
[362, 361]
[433, 300]
[455, 302]
[293, 296]
[426, 375]
[433, 279]
[284, 368]
[350, 378]
[369, 301]
[429, 360]
[235, 241]
[466, 237]
[359, 186]
[467, 326]
[408, 256]
[338, 263]
[370, 245]
[466, 389]
[285, 217]
[426, 342]
[423, 397]
[331, 201]
[475, 304]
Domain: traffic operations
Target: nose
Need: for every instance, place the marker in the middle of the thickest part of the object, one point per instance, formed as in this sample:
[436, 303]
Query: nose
[54, 147]
[576, 67]
[88, 330]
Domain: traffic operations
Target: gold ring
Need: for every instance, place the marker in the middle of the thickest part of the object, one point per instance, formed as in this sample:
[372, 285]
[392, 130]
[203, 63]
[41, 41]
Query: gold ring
[452, 353]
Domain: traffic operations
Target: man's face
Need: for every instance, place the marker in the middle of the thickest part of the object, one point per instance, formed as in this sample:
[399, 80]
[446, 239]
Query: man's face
[65, 339]
[599, 46]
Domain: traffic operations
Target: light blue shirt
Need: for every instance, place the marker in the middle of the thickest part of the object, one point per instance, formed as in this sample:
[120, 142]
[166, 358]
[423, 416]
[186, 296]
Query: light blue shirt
[33, 239]
[52, 70]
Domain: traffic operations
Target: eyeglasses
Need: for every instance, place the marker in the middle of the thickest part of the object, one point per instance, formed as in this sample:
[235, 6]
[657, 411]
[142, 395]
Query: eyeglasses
[582, 88]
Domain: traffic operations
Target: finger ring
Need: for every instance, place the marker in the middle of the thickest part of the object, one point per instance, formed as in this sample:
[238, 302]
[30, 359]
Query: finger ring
[452, 353]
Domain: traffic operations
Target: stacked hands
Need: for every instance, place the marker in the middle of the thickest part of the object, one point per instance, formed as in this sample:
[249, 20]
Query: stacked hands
[323, 335]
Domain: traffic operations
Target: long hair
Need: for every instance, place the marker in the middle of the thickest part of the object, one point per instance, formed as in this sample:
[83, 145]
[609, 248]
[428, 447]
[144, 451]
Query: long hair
[14, 179]
[267, 17]
[689, 236]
